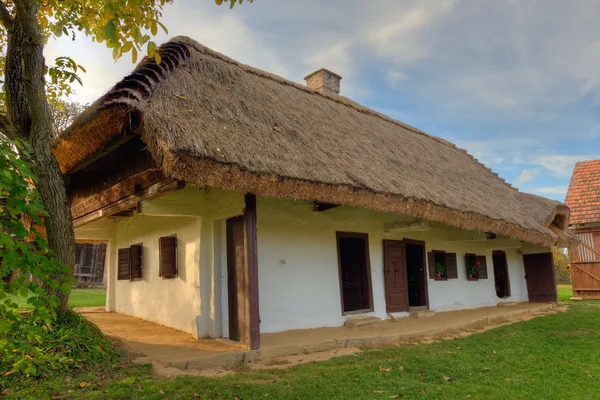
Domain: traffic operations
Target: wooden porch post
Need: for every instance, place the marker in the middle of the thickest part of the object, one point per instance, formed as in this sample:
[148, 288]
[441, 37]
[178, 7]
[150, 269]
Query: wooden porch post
[252, 254]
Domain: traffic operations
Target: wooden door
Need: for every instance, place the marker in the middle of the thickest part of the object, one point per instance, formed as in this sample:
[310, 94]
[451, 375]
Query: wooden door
[354, 271]
[539, 273]
[396, 284]
[236, 267]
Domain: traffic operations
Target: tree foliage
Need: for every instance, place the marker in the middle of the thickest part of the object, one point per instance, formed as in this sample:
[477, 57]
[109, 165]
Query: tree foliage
[63, 114]
[561, 260]
[26, 263]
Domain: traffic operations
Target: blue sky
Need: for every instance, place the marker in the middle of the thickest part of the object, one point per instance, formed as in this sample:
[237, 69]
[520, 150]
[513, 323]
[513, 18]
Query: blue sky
[516, 83]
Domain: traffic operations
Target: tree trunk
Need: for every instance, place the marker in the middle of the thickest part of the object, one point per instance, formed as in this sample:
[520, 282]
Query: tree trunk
[59, 226]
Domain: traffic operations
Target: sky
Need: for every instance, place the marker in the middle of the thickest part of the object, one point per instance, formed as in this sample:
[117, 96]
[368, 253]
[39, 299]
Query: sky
[515, 83]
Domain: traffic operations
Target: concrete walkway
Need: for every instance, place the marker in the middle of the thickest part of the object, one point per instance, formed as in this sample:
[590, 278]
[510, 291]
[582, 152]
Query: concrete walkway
[153, 343]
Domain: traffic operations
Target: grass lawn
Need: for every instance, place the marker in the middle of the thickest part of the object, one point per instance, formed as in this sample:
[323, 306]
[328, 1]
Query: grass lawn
[551, 357]
[78, 298]
[565, 292]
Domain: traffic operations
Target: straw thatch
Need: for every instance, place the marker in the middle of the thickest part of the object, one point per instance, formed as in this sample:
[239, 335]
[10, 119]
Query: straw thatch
[212, 121]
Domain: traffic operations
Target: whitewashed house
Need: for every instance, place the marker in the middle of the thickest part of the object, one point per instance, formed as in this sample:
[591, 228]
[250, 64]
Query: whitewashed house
[235, 202]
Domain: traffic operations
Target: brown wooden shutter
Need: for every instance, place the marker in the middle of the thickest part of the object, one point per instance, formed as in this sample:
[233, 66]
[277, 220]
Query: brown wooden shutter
[451, 266]
[168, 257]
[135, 262]
[482, 273]
[123, 270]
[431, 261]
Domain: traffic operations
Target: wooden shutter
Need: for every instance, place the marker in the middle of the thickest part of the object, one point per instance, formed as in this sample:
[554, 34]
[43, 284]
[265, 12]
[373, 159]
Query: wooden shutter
[431, 262]
[168, 257]
[123, 270]
[482, 273]
[135, 262]
[451, 266]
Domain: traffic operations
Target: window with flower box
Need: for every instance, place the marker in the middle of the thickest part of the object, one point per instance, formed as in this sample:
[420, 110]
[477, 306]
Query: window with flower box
[476, 267]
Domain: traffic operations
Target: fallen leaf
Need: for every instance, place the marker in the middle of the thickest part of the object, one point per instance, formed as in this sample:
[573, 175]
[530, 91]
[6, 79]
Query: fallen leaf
[197, 395]
[424, 390]
[401, 368]
[446, 378]
[494, 352]
[68, 379]
[238, 386]
[385, 369]
[439, 387]
[266, 395]
[396, 396]
[468, 396]
[181, 97]
[56, 397]
[378, 391]
[161, 391]
[84, 384]
[8, 373]
[486, 369]
[5, 392]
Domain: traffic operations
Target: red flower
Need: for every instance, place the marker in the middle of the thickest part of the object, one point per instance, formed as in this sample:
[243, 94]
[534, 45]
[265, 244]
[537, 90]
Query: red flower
[477, 263]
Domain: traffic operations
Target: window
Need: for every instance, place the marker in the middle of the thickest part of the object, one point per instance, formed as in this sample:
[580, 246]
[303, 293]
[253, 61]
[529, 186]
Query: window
[168, 257]
[442, 265]
[135, 262]
[129, 265]
[476, 267]
[501, 279]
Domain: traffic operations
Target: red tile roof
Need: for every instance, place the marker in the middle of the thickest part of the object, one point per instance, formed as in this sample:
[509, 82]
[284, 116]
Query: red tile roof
[583, 197]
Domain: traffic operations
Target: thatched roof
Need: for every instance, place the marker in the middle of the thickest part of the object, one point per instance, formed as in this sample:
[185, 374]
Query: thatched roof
[210, 120]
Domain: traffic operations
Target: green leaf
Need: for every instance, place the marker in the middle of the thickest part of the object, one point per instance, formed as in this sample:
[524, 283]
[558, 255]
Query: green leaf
[110, 30]
[219, 2]
[65, 288]
[134, 55]
[151, 49]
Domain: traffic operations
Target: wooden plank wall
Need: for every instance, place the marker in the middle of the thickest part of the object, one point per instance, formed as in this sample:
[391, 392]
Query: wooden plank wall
[585, 264]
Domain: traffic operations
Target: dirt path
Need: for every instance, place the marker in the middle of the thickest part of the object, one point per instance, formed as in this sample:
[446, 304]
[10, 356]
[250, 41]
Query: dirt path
[292, 360]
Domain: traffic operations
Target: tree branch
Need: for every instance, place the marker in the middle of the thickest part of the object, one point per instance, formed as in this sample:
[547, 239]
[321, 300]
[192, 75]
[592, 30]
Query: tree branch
[5, 16]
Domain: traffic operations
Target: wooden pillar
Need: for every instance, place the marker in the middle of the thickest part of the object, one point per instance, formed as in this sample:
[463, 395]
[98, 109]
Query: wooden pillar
[252, 264]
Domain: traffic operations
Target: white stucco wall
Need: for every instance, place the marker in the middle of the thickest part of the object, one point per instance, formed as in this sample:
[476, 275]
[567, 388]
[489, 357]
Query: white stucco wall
[298, 265]
[297, 257]
[170, 302]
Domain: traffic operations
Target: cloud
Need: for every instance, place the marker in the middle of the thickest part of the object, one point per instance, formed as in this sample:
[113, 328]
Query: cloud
[526, 176]
[557, 190]
[560, 165]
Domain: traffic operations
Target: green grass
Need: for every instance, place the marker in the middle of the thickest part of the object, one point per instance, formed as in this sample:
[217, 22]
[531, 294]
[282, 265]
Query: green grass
[78, 298]
[551, 357]
[565, 292]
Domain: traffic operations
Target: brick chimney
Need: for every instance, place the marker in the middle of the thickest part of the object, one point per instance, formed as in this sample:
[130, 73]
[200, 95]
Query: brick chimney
[324, 81]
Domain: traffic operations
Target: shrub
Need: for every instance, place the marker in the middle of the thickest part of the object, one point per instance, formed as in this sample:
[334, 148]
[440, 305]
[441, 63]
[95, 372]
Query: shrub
[32, 343]
[70, 341]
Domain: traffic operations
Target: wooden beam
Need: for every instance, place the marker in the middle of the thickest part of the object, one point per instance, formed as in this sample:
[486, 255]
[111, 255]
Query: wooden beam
[319, 207]
[587, 272]
[124, 213]
[134, 185]
[156, 190]
[252, 265]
